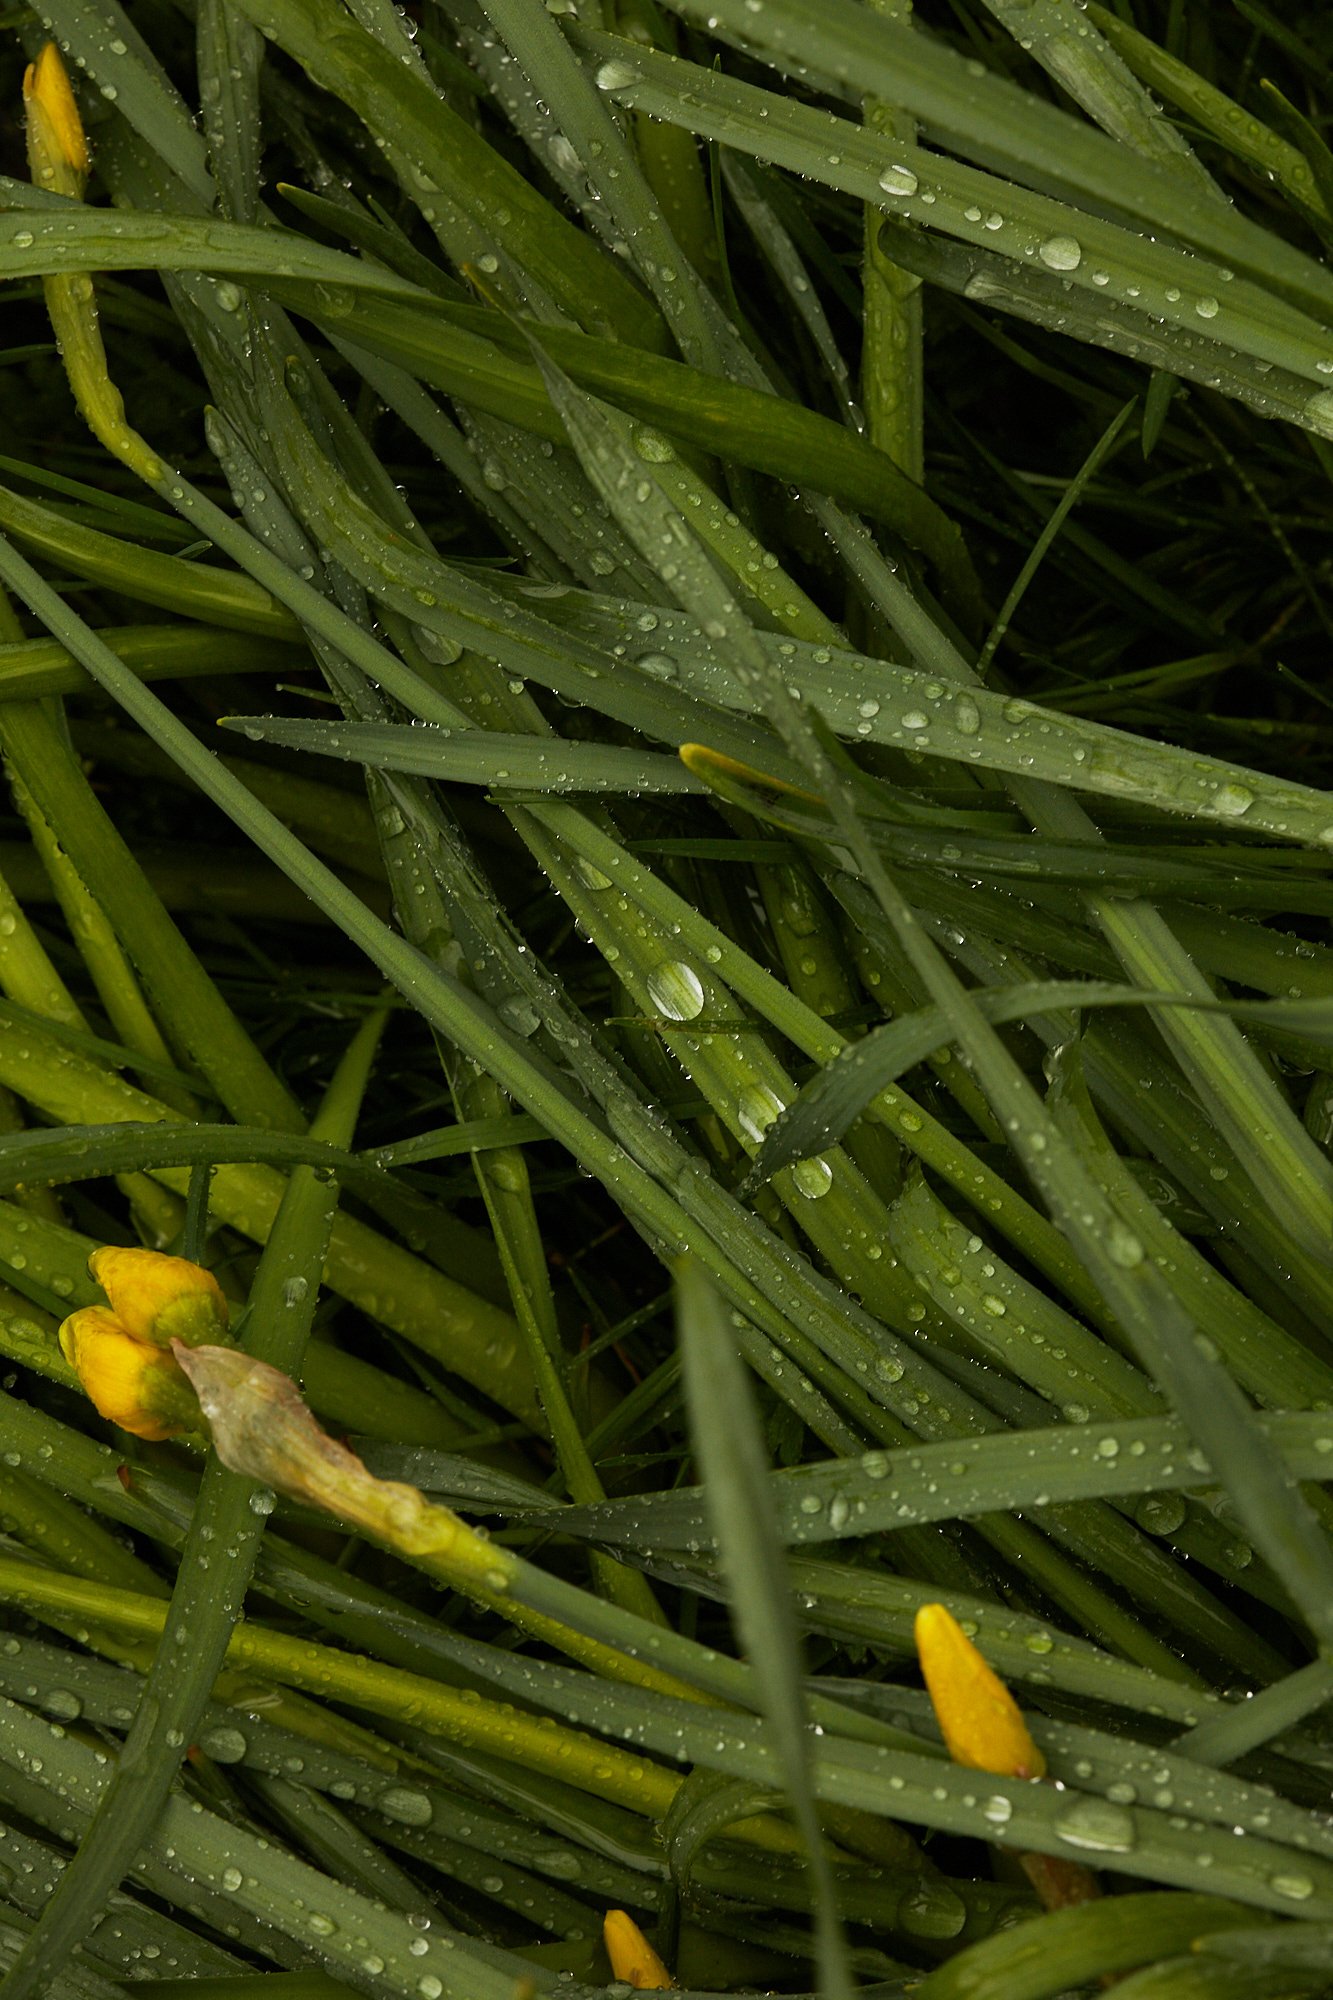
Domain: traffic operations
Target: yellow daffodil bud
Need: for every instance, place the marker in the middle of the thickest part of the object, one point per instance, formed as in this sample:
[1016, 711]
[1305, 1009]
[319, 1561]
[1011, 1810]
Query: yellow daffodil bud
[632, 1957]
[57, 148]
[161, 1299]
[58, 160]
[979, 1719]
[128, 1381]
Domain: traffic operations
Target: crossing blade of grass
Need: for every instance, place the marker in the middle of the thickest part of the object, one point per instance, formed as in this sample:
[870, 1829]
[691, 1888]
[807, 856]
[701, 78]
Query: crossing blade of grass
[732, 1456]
[854, 1497]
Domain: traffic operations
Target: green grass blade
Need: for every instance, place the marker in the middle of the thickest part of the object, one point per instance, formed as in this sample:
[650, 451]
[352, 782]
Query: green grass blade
[732, 1456]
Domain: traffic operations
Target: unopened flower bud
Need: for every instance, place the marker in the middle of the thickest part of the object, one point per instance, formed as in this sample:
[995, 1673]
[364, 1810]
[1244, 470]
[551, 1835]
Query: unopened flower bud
[159, 1298]
[632, 1957]
[57, 148]
[979, 1719]
[128, 1381]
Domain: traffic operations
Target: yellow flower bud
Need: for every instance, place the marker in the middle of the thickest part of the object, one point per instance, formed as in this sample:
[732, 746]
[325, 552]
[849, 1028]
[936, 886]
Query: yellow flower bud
[159, 1298]
[57, 148]
[128, 1381]
[979, 1719]
[632, 1957]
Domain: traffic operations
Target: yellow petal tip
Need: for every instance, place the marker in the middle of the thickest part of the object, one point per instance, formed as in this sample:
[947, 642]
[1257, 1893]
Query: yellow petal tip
[981, 1723]
[48, 95]
[632, 1957]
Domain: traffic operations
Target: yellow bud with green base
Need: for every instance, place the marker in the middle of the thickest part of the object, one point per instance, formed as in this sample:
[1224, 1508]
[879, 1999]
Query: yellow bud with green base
[57, 148]
[129, 1382]
[161, 1299]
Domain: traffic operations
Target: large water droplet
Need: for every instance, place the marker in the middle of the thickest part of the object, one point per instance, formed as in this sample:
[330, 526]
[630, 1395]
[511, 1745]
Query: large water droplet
[812, 1177]
[756, 1108]
[1098, 1825]
[1232, 800]
[408, 1806]
[224, 1746]
[932, 1911]
[660, 665]
[1123, 1247]
[898, 180]
[676, 990]
[616, 75]
[1296, 1887]
[1160, 1513]
[1060, 253]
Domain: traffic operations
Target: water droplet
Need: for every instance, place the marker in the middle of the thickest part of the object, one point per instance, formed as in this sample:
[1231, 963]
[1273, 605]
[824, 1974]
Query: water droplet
[1123, 1246]
[1296, 1887]
[1232, 800]
[1098, 1825]
[756, 1108]
[615, 75]
[519, 1015]
[966, 715]
[660, 665]
[232, 1879]
[1207, 307]
[676, 990]
[1060, 253]
[812, 1178]
[997, 1810]
[408, 1806]
[898, 180]
[224, 1746]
